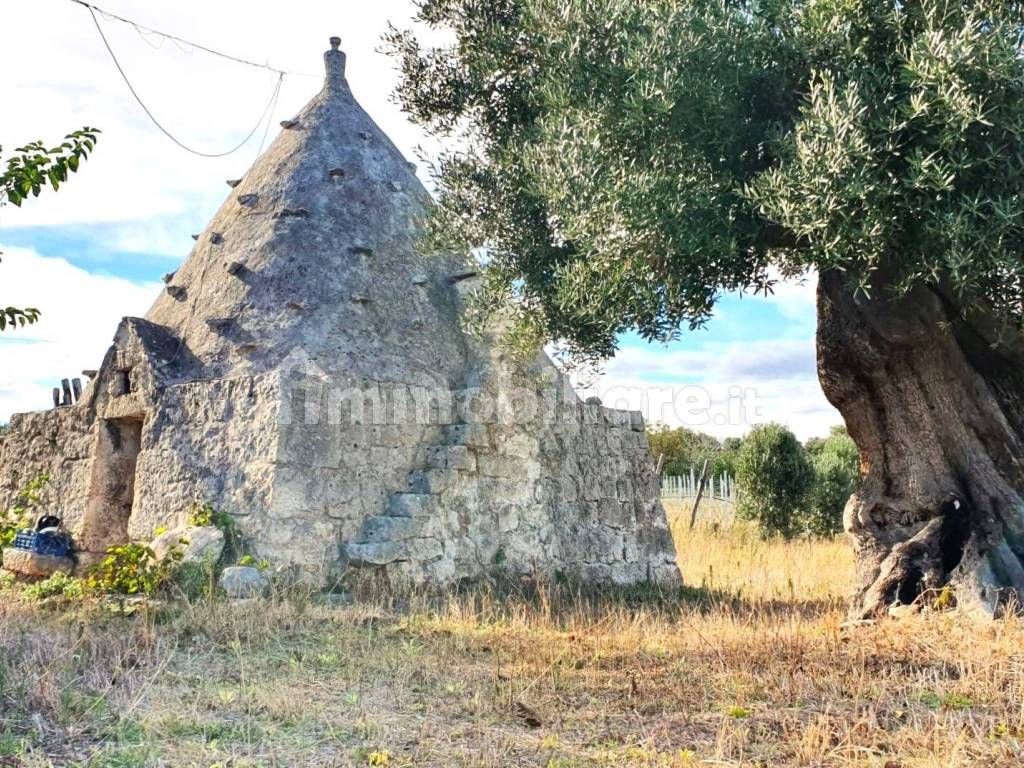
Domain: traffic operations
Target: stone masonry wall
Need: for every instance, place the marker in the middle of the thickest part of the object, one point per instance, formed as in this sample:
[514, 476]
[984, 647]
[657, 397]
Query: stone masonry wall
[335, 469]
[613, 527]
[208, 441]
[536, 499]
[58, 443]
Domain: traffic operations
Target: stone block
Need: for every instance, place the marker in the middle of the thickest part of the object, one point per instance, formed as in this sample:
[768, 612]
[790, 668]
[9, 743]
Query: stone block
[37, 566]
[382, 553]
[197, 544]
[474, 435]
[616, 514]
[412, 505]
[652, 539]
[400, 435]
[601, 545]
[568, 488]
[616, 418]
[624, 489]
[241, 582]
[595, 573]
[424, 550]
[431, 481]
[592, 413]
[441, 571]
[498, 466]
[508, 518]
[355, 509]
[451, 457]
[546, 490]
[389, 528]
[590, 486]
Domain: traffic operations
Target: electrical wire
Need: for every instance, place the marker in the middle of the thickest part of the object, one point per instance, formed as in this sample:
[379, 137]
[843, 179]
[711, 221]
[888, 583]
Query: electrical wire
[152, 117]
[180, 41]
[270, 117]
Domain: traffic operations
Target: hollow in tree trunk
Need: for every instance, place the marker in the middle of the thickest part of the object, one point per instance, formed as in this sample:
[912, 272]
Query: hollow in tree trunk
[933, 395]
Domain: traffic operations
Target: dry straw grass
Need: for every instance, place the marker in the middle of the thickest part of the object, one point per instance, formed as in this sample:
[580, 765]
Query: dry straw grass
[752, 669]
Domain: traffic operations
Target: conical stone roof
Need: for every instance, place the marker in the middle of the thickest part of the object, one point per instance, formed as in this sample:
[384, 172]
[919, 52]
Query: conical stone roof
[314, 251]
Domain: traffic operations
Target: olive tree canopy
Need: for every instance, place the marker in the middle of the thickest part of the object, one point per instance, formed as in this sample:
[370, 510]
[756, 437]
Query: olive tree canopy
[622, 165]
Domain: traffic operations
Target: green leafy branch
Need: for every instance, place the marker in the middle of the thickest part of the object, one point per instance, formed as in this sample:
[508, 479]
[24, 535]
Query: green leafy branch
[15, 317]
[34, 166]
[27, 173]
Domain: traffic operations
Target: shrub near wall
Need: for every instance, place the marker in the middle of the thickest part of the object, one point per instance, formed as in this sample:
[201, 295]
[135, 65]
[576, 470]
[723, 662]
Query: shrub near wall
[774, 477]
[835, 460]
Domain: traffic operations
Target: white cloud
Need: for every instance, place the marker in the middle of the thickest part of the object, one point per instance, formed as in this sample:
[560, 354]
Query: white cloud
[721, 407]
[724, 388]
[80, 315]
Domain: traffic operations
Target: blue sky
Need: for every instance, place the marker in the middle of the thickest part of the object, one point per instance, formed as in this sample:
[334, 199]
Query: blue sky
[96, 251]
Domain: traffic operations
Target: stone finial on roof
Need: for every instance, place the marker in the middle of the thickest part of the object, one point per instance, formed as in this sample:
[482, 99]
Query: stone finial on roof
[334, 61]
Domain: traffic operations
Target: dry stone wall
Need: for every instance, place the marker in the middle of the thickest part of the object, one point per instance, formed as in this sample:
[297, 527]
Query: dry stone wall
[511, 499]
[213, 442]
[57, 443]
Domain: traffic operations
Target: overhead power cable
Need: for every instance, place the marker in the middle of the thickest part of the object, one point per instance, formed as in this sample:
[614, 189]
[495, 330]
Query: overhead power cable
[181, 41]
[268, 109]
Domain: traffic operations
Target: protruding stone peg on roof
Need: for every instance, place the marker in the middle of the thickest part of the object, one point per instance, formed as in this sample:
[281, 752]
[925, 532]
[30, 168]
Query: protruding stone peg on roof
[295, 306]
[169, 276]
[195, 237]
[396, 186]
[292, 213]
[176, 292]
[234, 267]
[361, 249]
[220, 324]
[216, 238]
[412, 167]
[336, 173]
[459, 277]
[90, 373]
[289, 124]
[248, 201]
[359, 298]
[365, 135]
[234, 182]
[420, 280]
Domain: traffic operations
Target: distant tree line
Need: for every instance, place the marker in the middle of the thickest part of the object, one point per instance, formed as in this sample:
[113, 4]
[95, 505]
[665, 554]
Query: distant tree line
[787, 488]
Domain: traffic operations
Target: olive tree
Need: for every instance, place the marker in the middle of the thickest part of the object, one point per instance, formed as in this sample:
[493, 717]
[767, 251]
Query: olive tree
[682, 450]
[621, 165]
[774, 477]
[26, 174]
[834, 460]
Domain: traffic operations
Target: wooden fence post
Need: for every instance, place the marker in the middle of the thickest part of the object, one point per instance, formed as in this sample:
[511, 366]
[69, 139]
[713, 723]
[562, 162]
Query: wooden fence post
[700, 492]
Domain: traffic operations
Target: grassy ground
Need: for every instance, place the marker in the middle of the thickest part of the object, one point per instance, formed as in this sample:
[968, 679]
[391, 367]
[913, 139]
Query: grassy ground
[751, 666]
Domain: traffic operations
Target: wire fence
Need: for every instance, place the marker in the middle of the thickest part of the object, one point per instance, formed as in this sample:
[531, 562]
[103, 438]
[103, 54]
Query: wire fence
[717, 502]
[721, 487]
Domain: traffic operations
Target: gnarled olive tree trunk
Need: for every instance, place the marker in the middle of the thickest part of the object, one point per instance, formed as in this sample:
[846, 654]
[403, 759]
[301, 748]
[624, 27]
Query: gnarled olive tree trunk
[934, 400]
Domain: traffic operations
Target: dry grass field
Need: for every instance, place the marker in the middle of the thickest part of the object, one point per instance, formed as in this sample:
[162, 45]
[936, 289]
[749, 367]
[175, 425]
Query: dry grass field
[749, 666]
